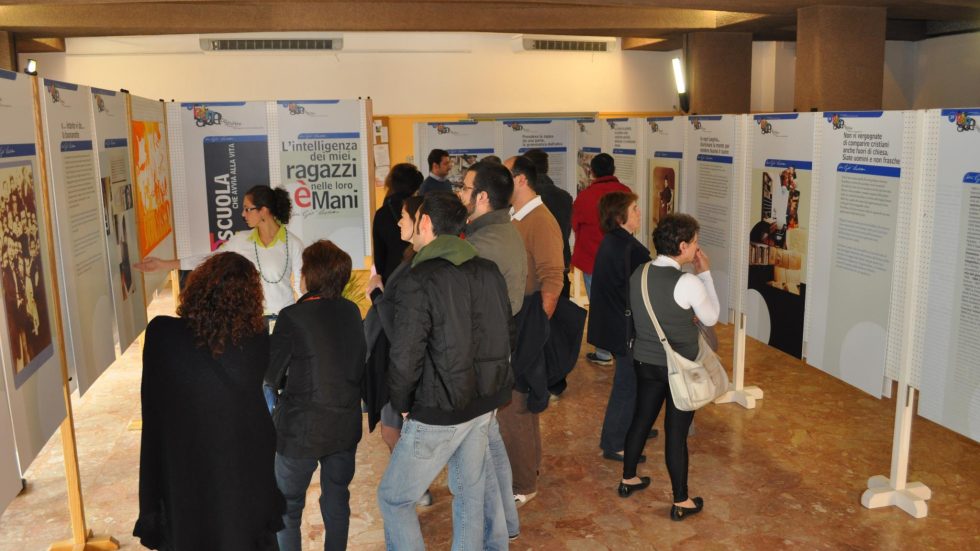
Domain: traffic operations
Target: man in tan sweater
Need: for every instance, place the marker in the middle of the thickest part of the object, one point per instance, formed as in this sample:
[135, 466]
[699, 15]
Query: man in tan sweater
[519, 424]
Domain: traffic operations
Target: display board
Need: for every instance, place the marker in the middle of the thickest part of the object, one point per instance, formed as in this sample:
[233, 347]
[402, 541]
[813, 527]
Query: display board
[466, 141]
[664, 157]
[153, 189]
[553, 136]
[860, 186]
[223, 149]
[28, 343]
[710, 189]
[111, 136]
[83, 270]
[10, 481]
[322, 153]
[621, 138]
[588, 144]
[949, 352]
[777, 229]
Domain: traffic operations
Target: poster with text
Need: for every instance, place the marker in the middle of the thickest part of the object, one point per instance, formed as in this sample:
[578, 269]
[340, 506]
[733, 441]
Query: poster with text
[623, 136]
[665, 155]
[119, 210]
[588, 142]
[28, 345]
[152, 189]
[853, 265]
[711, 192]
[322, 163]
[76, 198]
[466, 141]
[778, 228]
[554, 137]
[950, 371]
[223, 150]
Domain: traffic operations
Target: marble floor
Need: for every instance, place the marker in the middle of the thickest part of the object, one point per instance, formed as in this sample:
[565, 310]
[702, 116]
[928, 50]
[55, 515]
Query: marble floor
[786, 475]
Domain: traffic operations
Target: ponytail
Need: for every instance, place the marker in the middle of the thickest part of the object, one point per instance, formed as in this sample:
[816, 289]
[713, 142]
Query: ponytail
[276, 200]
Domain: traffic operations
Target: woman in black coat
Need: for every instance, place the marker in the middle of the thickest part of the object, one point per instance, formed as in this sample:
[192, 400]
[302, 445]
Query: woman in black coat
[208, 445]
[317, 363]
[403, 181]
[609, 325]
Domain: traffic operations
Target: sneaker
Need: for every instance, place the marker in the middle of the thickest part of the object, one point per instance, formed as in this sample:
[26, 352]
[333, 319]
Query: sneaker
[425, 500]
[594, 358]
[521, 499]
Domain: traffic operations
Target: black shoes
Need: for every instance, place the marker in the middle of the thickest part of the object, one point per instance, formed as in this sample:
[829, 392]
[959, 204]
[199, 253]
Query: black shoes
[626, 489]
[619, 457]
[676, 511]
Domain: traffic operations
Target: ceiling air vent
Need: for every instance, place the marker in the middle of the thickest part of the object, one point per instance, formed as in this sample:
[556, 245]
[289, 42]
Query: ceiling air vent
[566, 45]
[270, 44]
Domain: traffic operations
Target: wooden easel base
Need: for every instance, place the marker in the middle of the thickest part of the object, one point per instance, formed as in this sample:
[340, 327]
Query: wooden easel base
[911, 499]
[745, 397]
[92, 543]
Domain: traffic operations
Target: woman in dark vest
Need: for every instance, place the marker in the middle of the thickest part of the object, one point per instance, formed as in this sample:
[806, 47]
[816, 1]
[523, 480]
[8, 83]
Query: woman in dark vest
[317, 362]
[208, 445]
[676, 297]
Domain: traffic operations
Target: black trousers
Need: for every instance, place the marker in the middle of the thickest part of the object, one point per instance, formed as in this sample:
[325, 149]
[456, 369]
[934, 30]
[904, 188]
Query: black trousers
[652, 391]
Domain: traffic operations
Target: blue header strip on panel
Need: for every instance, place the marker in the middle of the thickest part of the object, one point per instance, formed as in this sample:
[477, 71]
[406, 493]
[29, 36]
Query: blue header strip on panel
[17, 150]
[115, 142]
[286, 103]
[193, 104]
[704, 118]
[783, 163]
[669, 154]
[889, 171]
[103, 92]
[592, 149]
[624, 152]
[555, 149]
[854, 114]
[621, 119]
[8, 75]
[659, 119]
[331, 136]
[777, 116]
[76, 145]
[228, 139]
[61, 85]
[585, 121]
[971, 178]
[526, 121]
[483, 151]
[458, 123]
[726, 159]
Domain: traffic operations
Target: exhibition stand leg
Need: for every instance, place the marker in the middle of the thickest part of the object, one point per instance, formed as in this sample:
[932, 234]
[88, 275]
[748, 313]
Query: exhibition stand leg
[744, 396]
[82, 539]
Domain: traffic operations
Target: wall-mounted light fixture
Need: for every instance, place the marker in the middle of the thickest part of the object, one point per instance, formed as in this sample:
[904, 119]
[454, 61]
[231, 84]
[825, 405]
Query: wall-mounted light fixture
[31, 67]
[679, 81]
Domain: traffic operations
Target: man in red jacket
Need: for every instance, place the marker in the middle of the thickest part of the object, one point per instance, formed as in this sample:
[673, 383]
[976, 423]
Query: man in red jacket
[585, 224]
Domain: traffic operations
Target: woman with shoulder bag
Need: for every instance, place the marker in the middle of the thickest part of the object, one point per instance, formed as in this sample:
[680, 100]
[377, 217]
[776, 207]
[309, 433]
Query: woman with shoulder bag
[676, 298]
[610, 322]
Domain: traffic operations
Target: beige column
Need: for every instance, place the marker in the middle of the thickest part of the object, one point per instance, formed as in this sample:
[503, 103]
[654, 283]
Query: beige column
[719, 72]
[8, 55]
[840, 57]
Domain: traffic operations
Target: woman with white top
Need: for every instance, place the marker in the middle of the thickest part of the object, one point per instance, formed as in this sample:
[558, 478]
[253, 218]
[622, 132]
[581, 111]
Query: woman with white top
[677, 298]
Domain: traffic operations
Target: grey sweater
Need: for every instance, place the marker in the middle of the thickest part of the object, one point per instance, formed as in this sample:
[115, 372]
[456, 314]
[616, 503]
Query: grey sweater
[677, 323]
[497, 240]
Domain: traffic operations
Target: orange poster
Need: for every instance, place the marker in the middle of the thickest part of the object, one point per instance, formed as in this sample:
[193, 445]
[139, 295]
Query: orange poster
[152, 185]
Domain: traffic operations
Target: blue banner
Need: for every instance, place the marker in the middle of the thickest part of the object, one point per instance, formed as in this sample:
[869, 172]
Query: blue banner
[620, 119]
[853, 114]
[526, 121]
[8, 75]
[556, 149]
[624, 152]
[872, 170]
[61, 85]
[971, 178]
[704, 118]
[76, 145]
[584, 120]
[331, 136]
[226, 139]
[782, 163]
[8, 151]
[103, 92]
[659, 119]
[115, 142]
[726, 159]
[592, 149]
[458, 123]
[471, 151]
[669, 154]
[777, 116]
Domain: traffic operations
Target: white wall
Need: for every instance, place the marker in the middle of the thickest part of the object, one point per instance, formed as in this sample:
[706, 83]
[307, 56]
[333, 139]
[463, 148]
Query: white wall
[947, 72]
[898, 88]
[773, 75]
[443, 73]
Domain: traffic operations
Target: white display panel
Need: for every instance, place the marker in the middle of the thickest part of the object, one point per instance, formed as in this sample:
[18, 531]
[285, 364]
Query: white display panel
[777, 228]
[466, 141]
[621, 137]
[588, 144]
[950, 346]
[554, 137]
[321, 148]
[664, 159]
[28, 343]
[710, 191]
[86, 298]
[112, 145]
[860, 192]
[152, 193]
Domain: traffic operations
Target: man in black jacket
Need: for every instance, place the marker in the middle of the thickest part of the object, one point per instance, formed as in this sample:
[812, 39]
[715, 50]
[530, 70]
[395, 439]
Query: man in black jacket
[450, 368]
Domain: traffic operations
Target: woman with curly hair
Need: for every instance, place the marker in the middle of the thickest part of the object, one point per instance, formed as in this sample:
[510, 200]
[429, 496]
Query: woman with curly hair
[207, 478]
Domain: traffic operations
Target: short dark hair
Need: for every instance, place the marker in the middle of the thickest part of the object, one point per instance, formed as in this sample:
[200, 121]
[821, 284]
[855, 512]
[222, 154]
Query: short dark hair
[276, 200]
[540, 159]
[673, 230]
[326, 269]
[492, 159]
[494, 179]
[602, 165]
[404, 179]
[435, 156]
[447, 212]
[614, 209]
[523, 165]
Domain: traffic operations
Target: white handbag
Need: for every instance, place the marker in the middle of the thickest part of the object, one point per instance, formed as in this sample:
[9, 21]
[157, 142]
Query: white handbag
[692, 383]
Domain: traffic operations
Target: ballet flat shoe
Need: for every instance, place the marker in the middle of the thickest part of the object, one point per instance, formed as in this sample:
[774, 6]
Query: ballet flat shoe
[626, 489]
[680, 513]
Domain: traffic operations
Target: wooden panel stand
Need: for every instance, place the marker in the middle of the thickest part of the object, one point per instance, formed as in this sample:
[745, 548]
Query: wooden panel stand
[82, 538]
[744, 396]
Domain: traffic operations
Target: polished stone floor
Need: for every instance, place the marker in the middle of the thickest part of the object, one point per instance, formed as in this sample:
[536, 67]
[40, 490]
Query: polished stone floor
[786, 475]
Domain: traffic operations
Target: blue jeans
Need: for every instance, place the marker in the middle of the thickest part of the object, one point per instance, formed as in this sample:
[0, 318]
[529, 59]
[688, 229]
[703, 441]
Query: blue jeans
[601, 353]
[499, 509]
[418, 457]
[293, 477]
[619, 409]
